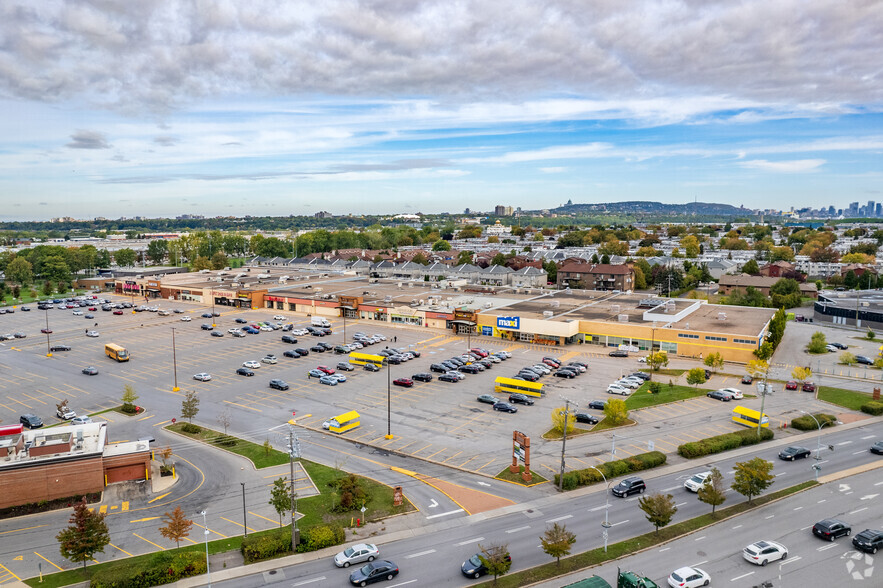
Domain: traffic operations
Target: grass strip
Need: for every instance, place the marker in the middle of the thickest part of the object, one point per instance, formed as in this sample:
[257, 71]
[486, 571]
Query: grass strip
[516, 478]
[555, 434]
[665, 371]
[260, 456]
[846, 398]
[606, 423]
[643, 398]
[597, 556]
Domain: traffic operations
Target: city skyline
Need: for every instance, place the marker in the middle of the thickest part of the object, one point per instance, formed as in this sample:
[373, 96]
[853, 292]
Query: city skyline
[376, 108]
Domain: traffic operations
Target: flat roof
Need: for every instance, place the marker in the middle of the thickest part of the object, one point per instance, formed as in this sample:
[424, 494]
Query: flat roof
[93, 434]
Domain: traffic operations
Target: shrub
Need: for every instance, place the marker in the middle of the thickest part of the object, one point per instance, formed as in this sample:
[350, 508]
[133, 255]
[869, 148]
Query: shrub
[806, 423]
[724, 442]
[266, 545]
[129, 408]
[189, 428]
[160, 568]
[320, 537]
[654, 387]
[873, 407]
[612, 469]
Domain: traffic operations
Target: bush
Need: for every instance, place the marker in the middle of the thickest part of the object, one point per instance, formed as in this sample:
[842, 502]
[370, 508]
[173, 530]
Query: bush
[654, 387]
[189, 428]
[320, 537]
[129, 408]
[266, 545]
[160, 568]
[612, 469]
[724, 442]
[873, 407]
[806, 423]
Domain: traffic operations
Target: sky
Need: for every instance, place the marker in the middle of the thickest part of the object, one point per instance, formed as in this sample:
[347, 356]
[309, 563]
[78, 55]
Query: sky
[260, 107]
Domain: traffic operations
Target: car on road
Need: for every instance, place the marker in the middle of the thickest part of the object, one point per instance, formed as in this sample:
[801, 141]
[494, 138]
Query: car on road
[618, 389]
[279, 384]
[597, 404]
[60, 348]
[186, 319]
[487, 398]
[869, 541]
[877, 447]
[356, 554]
[446, 377]
[206, 327]
[864, 360]
[206, 315]
[251, 364]
[202, 377]
[90, 371]
[830, 529]
[328, 380]
[243, 371]
[505, 407]
[91, 333]
[520, 399]
[269, 358]
[473, 568]
[808, 387]
[794, 452]
[618, 353]
[375, 571]
[747, 380]
[697, 481]
[688, 577]
[791, 385]
[81, 420]
[66, 413]
[631, 485]
[719, 395]
[763, 552]
[584, 417]
[406, 382]
[31, 421]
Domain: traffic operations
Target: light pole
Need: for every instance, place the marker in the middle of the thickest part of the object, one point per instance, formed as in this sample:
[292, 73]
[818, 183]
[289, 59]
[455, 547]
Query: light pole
[205, 533]
[606, 524]
[388, 399]
[818, 442]
[563, 445]
[244, 520]
[48, 348]
[174, 362]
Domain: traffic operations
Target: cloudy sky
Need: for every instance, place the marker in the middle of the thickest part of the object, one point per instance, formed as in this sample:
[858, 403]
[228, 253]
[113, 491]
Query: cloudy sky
[163, 107]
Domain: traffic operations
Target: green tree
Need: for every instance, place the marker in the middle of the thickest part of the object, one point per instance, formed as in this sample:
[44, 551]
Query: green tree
[817, 343]
[558, 419]
[657, 360]
[498, 259]
[658, 508]
[557, 541]
[201, 263]
[551, 271]
[47, 288]
[715, 361]
[441, 245]
[752, 477]
[496, 559]
[615, 411]
[764, 352]
[55, 268]
[156, 250]
[713, 492]
[102, 258]
[870, 335]
[696, 376]
[190, 406]
[20, 270]
[129, 398]
[86, 535]
[125, 257]
[219, 260]
[847, 358]
[850, 280]
[785, 293]
[280, 498]
[420, 258]
[177, 526]
[464, 257]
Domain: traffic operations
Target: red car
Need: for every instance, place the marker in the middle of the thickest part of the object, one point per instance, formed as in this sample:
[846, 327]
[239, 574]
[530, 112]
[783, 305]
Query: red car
[792, 385]
[406, 382]
[325, 369]
[92, 309]
[808, 387]
[45, 331]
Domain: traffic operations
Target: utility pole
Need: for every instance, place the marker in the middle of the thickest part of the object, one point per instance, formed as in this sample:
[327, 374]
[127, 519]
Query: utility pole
[244, 520]
[174, 362]
[763, 398]
[563, 445]
[293, 452]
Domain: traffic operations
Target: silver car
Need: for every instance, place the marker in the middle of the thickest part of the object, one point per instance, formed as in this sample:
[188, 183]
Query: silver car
[356, 554]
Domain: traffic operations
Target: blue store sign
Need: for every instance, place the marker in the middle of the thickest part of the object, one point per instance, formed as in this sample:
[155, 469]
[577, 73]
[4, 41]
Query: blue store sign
[509, 322]
[487, 331]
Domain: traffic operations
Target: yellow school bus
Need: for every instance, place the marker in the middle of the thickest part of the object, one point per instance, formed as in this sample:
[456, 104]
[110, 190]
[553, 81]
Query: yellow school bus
[750, 418]
[512, 386]
[344, 422]
[117, 352]
[363, 358]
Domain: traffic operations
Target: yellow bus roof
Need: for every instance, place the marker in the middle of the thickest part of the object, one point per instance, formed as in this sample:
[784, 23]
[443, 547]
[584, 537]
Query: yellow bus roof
[369, 356]
[346, 417]
[522, 383]
[750, 411]
[113, 346]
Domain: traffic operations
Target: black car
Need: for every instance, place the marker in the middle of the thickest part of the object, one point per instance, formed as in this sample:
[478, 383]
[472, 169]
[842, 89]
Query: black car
[633, 485]
[618, 353]
[794, 452]
[838, 345]
[719, 395]
[371, 367]
[505, 407]
[830, 529]
[289, 339]
[374, 572]
[241, 321]
[217, 334]
[528, 375]
[868, 540]
[473, 568]
[394, 360]
[747, 380]
[326, 346]
[290, 353]
[206, 315]
[597, 404]
[243, 371]
[301, 351]
[31, 421]
[90, 371]
[438, 368]
[643, 375]
[520, 399]
[206, 327]
[565, 373]
[60, 348]
[877, 448]
[584, 417]
[470, 369]
[456, 361]
[317, 349]
[422, 377]
[864, 360]
[279, 384]
[448, 378]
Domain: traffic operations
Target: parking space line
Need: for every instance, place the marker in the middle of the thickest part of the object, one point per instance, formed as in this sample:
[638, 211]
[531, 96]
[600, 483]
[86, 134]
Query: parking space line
[468, 460]
[452, 457]
[240, 524]
[436, 453]
[211, 530]
[60, 569]
[121, 549]
[241, 405]
[421, 449]
[149, 541]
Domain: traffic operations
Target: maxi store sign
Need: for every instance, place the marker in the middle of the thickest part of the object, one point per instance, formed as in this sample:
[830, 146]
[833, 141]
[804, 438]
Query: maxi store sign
[510, 323]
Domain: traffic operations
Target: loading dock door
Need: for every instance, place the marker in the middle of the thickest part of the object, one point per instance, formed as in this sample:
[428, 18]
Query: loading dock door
[125, 473]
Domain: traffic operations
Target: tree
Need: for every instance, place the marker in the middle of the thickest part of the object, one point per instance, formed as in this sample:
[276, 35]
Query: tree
[817, 343]
[757, 368]
[280, 498]
[496, 559]
[441, 245]
[557, 541]
[764, 352]
[129, 398]
[615, 411]
[785, 293]
[658, 508]
[224, 419]
[20, 270]
[657, 360]
[201, 263]
[86, 535]
[753, 477]
[177, 526]
[420, 258]
[847, 358]
[125, 257]
[156, 250]
[190, 406]
[715, 361]
[464, 257]
[696, 376]
[801, 373]
[713, 492]
[47, 288]
[558, 419]
[219, 260]
[498, 259]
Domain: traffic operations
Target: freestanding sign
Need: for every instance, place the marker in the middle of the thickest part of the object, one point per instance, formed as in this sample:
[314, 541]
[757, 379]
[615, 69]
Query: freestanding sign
[397, 496]
[521, 452]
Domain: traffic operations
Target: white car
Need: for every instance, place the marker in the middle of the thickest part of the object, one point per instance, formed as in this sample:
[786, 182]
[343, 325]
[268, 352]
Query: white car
[78, 313]
[696, 482]
[233, 331]
[269, 359]
[688, 578]
[506, 353]
[266, 328]
[202, 377]
[734, 392]
[642, 360]
[81, 420]
[186, 319]
[494, 358]
[91, 333]
[356, 554]
[251, 364]
[630, 383]
[617, 389]
[763, 552]
[278, 317]
[299, 332]
[456, 374]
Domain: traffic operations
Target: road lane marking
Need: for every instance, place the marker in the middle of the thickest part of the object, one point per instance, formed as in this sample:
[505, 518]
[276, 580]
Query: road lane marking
[263, 517]
[145, 519]
[858, 510]
[444, 514]
[697, 564]
[769, 517]
[680, 504]
[860, 451]
[421, 553]
[822, 500]
[805, 528]
[664, 549]
[468, 541]
[740, 577]
[403, 583]
[866, 437]
[563, 518]
[737, 527]
[160, 497]
[878, 483]
[843, 443]
[699, 539]
[798, 508]
[597, 508]
[310, 581]
[8, 571]
[670, 489]
[792, 560]
[619, 523]
[22, 529]
[515, 530]
[826, 547]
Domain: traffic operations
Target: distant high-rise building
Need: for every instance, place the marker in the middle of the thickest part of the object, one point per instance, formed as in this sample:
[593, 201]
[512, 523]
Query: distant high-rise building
[466, 211]
[832, 211]
[323, 214]
[878, 210]
[871, 208]
[853, 209]
[500, 210]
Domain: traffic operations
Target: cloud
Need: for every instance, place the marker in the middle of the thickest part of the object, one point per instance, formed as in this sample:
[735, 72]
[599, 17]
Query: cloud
[794, 166]
[553, 170]
[88, 140]
[165, 141]
[402, 164]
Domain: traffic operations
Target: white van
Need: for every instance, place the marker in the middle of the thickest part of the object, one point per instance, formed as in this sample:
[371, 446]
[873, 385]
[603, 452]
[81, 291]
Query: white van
[318, 321]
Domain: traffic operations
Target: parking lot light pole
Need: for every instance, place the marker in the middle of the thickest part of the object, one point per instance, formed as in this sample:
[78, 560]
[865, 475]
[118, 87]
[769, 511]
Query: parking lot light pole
[388, 400]
[48, 347]
[208, 568]
[174, 362]
[606, 524]
[563, 445]
[818, 438]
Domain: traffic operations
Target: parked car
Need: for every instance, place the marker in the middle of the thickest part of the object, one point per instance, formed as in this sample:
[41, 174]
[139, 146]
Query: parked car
[839, 345]
[791, 385]
[763, 552]
[66, 413]
[688, 577]
[374, 572]
[251, 364]
[697, 481]
[422, 377]
[290, 353]
[406, 382]
[244, 372]
[31, 421]
[81, 420]
[864, 360]
[447, 377]
[869, 541]
[618, 389]
[618, 353]
[734, 393]
[289, 339]
[719, 395]
[831, 348]
[528, 376]
[747, 380]
[202, 377]
[473, 568]
[584, 417]
[597, 404]
[794, 452]
[344, 366]
[831, 529]
[217, 334]
[487, 398]
[520, 399]
[808, 387]
[241, 320]
[371, 367]
[91, 333]
[90, 371]
[356, 554]
[314, 373]
[60, 348]
[328, 380]
[565, 373]
[631, 485]
[278, 384]
[301, 351]
[269, 358]
[505, 407]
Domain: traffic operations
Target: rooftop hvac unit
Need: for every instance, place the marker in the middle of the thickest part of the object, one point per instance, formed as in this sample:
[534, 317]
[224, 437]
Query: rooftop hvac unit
[387, 298]
[399, 285]
[721, 316]
[548, 314]
[623, 318]
[488, 304]
[616, 308]
[555, 304]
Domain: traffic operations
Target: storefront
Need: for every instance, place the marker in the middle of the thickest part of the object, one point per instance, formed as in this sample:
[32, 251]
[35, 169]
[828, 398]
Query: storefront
[349, 306]
[404, 315]
[464, 322]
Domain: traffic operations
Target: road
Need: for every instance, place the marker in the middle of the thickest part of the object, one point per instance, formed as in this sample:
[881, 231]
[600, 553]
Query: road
[436, 554]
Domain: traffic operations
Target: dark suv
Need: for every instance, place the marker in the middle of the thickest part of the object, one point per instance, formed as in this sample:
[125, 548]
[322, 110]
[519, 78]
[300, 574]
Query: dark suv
[868, 540]
[31, 421]
[633, 485]
[830, 529]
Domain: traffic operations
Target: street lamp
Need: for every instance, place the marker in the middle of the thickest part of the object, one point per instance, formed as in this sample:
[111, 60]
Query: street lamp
[207, 567]
[818, 440]
[606, 524]
[388, 399]
[48, 348]
[174, 362]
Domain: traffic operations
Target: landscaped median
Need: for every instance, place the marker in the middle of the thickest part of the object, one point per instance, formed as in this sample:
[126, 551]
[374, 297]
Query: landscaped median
[643, 397]
[262, 456]
[724, 442]
[614, 551]
[612, 469]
